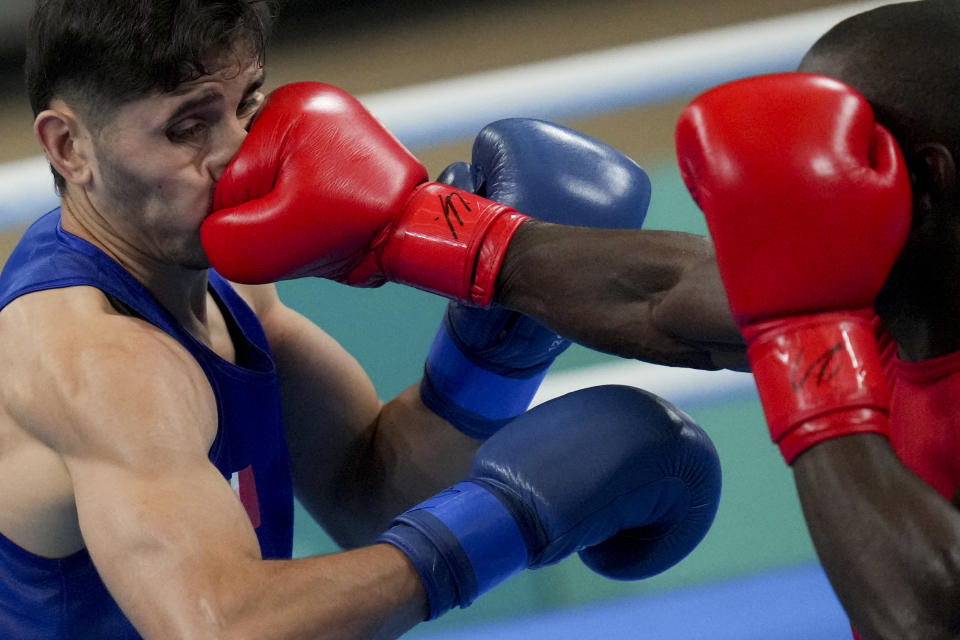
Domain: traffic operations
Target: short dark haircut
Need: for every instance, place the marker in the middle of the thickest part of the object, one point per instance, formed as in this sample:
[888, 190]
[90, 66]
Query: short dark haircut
[100, 54]
[905, 59]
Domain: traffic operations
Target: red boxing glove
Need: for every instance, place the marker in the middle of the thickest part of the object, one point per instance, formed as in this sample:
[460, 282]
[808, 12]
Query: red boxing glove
[320, 188]
[808, 202]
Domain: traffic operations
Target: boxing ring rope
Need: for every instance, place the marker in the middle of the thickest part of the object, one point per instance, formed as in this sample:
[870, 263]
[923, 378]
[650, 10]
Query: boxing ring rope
[595, 82]
[579, 85]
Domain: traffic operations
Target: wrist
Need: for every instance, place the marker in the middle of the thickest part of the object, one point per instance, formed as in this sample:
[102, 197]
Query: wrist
[819, 377]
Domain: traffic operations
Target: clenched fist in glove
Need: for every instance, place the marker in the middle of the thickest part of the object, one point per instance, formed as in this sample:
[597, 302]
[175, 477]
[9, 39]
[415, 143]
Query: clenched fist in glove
[320, 188]
[808, 202]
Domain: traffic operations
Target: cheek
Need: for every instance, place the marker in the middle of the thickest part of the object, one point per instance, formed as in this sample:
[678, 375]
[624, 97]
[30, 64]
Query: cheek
[151, 182]
[125, 186]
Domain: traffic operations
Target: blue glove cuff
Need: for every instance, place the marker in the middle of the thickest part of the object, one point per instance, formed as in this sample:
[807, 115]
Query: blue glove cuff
[462, 542]
[475, 400]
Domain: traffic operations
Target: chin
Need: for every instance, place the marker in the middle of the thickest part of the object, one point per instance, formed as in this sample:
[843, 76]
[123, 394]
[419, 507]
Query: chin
[194, 259]
[197, 262]
[197, 265]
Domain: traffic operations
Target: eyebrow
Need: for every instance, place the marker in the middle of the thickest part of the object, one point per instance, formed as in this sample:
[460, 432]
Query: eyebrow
[205, 99]
[209, 97]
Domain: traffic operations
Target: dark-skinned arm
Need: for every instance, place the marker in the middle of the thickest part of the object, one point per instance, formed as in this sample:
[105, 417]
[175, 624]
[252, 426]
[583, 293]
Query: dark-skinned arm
[651, 295]
[889, 543]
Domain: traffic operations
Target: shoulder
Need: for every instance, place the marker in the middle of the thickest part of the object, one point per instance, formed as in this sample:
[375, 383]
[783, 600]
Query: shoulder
[75, 372]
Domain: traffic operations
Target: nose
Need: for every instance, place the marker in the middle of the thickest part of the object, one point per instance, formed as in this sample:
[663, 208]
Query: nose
[231, 136]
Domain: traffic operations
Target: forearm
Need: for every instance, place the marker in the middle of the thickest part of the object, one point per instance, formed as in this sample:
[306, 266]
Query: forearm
[408, 455]
[357, 462]
[178, 553]
[651, 295]
[370, 593]
[888, 542]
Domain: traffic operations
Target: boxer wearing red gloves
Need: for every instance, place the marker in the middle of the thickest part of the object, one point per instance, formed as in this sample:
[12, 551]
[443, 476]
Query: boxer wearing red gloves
[130, 448]
[809, 204]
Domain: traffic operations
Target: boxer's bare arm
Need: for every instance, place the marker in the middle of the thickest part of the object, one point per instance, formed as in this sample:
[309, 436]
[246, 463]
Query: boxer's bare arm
[167, 533]
[357, 462]
[651, 295]
[889, 542]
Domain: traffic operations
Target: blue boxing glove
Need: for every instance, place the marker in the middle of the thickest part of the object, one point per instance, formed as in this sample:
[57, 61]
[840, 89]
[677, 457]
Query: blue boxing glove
[486, 365]
[633, 493]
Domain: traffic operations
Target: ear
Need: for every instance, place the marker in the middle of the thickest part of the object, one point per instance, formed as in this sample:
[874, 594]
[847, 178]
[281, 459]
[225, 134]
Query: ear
[934, 173]
[66, 143]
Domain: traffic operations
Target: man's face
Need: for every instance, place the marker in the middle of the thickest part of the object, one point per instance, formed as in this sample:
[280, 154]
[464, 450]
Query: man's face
[158, 158]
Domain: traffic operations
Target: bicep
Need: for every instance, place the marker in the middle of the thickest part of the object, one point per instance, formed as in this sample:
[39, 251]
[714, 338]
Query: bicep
[318, 377]
[162, 536]
[330, 405]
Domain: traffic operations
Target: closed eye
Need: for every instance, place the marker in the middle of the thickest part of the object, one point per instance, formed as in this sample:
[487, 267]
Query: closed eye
[250, 105]
[190, 134]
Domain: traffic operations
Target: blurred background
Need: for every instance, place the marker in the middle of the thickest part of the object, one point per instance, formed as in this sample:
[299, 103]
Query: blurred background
[620, 70]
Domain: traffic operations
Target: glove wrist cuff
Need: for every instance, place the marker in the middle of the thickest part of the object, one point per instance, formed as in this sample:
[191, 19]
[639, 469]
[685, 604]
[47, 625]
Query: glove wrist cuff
[833, 425]
[474, 399]
[462, 540]
[819, 377]
[450, 242]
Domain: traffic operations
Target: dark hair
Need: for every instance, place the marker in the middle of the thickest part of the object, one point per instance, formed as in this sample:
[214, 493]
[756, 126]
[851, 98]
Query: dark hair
[99, 54]
[904, 58]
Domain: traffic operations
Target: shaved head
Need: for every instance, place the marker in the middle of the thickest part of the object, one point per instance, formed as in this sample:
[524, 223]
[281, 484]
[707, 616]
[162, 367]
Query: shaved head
[905, 58]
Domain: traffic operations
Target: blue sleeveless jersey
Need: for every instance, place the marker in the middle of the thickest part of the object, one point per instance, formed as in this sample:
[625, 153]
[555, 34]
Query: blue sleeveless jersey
[43, 598]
